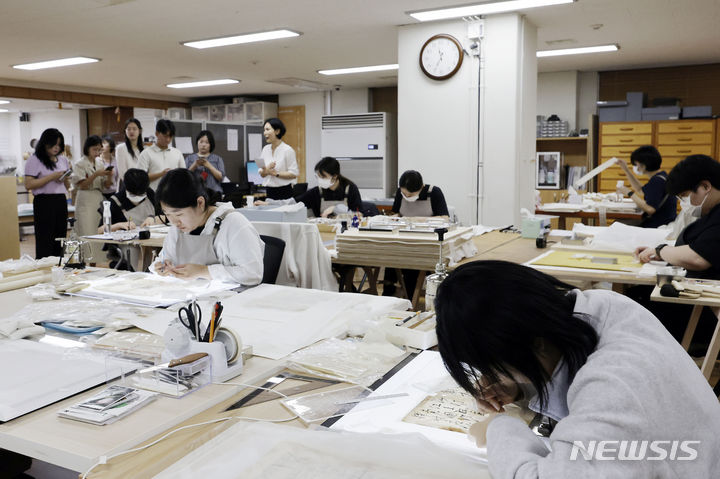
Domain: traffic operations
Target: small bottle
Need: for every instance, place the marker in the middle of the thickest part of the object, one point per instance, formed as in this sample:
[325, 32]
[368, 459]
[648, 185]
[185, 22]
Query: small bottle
[107, 218]
[355, 221]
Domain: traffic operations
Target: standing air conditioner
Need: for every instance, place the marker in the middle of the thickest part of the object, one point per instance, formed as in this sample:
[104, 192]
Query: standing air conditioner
[365, 144]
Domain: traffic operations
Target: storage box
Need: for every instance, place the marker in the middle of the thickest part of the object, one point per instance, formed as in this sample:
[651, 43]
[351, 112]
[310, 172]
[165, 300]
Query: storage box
[200, 113]
[217, 113]
[612, 110]
[697, 111]
[535, 225]
[259, 111]
[274, 214]
[635, 104]
[661, 113]
[235, 112]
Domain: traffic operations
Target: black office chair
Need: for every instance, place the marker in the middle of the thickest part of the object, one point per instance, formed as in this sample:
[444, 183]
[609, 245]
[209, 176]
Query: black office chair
[274, 249]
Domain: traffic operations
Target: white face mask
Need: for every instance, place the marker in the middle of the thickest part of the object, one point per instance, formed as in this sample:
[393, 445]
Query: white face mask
[637, 170]
[691, 209]
[410, 198]
[325, 183]
[135, 199]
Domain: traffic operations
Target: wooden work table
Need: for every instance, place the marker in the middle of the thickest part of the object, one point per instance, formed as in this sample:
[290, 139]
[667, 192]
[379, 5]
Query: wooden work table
[590, 216]
[698, 304]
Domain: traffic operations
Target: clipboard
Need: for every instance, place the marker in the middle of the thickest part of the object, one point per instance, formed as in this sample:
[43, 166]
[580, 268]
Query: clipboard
[260, 162]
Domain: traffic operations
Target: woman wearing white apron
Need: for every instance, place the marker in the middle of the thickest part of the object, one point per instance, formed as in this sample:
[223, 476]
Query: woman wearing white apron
[415, 198]
[90, 177]
[131, 207]
[334, 194]
[206, 240]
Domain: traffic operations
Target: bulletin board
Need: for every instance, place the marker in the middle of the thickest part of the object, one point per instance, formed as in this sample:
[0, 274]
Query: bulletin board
[230, 145]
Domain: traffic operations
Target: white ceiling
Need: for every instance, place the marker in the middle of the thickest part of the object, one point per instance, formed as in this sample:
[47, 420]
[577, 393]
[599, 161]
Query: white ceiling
[139, 40]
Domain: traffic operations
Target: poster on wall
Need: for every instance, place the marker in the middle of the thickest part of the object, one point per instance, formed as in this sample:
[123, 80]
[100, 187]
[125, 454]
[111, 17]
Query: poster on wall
[548, 170]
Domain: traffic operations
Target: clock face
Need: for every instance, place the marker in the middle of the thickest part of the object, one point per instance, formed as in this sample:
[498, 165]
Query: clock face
[441, 57]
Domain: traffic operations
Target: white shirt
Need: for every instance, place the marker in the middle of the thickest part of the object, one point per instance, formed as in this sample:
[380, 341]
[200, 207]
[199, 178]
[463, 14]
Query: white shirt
[284, 158]
[155, 160]
[125, 160]
[237, 245]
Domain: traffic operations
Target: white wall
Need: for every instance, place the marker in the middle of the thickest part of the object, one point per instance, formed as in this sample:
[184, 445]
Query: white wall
[557, 93]
[343, 101]
[437, 120]
[67, 121]
[356, 100]
[507, 126]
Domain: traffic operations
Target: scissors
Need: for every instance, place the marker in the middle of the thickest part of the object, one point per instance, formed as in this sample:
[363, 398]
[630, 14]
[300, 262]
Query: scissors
[190, 316]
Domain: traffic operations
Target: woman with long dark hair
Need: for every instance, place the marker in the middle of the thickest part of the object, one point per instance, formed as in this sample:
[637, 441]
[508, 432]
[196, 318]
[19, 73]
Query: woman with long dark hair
[207, 239]
[127, 153]
[595, 362]
[46, 175]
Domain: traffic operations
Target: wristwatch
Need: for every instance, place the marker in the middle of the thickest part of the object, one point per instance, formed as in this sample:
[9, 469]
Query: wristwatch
[659, 248]
[277, 175]
[632, 192]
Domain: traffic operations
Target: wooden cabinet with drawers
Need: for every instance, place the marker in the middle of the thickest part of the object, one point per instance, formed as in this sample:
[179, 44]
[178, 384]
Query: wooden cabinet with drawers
[674, 139]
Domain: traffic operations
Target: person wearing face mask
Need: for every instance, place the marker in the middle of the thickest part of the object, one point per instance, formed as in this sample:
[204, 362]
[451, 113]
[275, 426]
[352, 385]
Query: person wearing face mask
[696, 182]
[415, 198]
[207, 239]
[594, 361]
[658, 207]
[333, 195]
[206, 164]
[281, 168]
[129, 208]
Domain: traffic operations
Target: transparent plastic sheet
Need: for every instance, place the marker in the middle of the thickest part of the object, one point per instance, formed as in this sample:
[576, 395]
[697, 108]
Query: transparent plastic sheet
[263, 450]
[348, 360]
[80, 312]
[26, 263]
[143, 345]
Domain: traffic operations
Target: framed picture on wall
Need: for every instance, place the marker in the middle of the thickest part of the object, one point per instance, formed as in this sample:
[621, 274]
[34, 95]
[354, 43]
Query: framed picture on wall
[548, 170]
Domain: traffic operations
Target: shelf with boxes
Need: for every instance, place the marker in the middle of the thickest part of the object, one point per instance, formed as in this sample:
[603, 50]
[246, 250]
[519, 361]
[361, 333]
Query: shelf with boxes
[253, 112]
[674, 139]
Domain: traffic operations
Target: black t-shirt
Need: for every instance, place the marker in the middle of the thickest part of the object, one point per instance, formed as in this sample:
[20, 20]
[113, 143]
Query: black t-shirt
[665, 211]
[311, 198]
[437, 200]
[703, 237]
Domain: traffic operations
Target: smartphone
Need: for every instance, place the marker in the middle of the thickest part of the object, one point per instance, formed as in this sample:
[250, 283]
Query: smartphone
[109, 168]
[66, 174]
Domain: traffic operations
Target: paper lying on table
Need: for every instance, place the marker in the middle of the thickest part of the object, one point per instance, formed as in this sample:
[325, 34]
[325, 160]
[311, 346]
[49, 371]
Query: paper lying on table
[621, 237]
[46, 374]
[278, 320]
[261, 450]
[421, 377]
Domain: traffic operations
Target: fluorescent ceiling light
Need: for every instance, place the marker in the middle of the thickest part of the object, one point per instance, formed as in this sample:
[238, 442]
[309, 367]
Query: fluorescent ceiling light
[3, 110]
[374, 68]
[238, 39]
[483, 9]
[578, 51]
[63, 62]
[224, 81]
[4, 102]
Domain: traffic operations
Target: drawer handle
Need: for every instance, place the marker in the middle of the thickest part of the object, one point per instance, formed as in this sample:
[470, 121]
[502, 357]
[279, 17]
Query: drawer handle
[684, 139]
[625, 141]
[626, 129]
[684, 151]
[685, 127]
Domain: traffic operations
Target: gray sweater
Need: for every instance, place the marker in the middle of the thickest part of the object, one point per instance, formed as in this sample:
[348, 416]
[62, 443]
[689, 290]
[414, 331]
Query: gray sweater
[638, 385]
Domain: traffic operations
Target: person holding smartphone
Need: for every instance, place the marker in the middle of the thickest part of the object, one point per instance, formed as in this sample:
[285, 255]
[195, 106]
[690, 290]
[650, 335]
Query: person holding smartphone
[47, 176]
[90, 177]
[108, 159]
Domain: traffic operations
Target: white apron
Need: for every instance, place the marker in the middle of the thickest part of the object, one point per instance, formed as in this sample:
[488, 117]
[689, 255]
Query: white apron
[325, 204]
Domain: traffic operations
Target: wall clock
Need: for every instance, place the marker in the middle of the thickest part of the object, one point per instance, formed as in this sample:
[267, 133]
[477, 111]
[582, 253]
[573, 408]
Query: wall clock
[441, 56]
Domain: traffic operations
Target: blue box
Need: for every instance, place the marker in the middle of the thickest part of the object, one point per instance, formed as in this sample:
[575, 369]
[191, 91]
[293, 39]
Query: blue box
[697, 111]
[661, 113]
[636, 102]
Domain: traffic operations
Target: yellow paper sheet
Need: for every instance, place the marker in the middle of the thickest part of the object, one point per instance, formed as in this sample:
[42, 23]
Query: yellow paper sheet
[575, 259]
